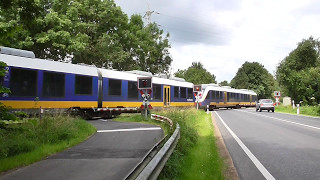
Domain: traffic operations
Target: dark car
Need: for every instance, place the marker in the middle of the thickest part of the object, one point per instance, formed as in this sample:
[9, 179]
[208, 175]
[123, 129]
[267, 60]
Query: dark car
[265, 104]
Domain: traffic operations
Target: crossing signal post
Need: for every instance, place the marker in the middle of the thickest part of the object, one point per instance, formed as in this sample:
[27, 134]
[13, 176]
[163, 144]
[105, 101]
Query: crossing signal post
[197, 93]
[145, 87]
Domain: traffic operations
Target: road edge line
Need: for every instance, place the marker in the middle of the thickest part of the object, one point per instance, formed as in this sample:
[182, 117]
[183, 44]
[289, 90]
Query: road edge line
[252, 157]
[230, 170]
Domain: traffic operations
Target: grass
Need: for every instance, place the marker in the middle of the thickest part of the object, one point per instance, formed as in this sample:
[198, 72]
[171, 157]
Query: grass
[26, 143]
[304, 110]
[196, 154]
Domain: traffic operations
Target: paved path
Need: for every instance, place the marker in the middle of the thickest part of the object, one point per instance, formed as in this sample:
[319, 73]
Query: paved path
[106, 155]
[271, 145]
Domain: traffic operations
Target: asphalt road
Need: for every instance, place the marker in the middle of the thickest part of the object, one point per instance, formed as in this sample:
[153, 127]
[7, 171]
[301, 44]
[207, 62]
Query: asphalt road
[271, 145]
[106, 155]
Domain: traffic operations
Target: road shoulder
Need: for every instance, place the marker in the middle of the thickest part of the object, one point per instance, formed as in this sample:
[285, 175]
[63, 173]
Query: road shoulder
[230, 170]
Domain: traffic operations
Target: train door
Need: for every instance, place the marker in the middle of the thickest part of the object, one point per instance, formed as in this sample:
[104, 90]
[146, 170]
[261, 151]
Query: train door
[225, 98]
[250, 99]
[100, 89]
[166, 96]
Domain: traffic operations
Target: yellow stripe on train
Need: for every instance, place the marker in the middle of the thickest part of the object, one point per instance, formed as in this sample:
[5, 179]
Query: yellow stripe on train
[82, 104]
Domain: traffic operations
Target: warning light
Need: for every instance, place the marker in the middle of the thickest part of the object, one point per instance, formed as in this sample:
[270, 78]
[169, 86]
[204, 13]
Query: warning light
[144, 82]
[196, 88]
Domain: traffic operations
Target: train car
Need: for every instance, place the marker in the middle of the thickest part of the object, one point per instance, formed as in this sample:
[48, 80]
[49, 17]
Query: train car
[214, 96]
[36, 83]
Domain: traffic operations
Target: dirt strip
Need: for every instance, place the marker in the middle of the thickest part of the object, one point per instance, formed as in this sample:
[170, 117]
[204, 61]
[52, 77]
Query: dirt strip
[230, 171]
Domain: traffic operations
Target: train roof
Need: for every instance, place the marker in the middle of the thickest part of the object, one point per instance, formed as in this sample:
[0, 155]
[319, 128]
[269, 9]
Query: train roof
[214, 87]
[42, 64]
[130, 76]
[35, 63]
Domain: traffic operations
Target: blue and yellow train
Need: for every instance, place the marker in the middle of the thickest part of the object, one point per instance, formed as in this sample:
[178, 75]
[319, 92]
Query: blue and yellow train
[36, 83]
[213, 96]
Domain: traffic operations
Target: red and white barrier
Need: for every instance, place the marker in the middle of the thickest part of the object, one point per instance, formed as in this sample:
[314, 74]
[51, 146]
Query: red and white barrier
[161, 118]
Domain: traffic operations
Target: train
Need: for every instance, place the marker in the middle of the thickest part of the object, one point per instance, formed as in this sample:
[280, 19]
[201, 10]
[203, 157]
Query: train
[52, 85]
[214, 96]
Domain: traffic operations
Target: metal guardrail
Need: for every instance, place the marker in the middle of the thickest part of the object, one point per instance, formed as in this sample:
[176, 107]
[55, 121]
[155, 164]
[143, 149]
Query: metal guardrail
[155, 166]
[153, 162]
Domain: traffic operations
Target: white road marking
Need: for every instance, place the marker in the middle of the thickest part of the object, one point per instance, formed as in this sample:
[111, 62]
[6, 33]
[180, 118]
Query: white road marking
[126, 130]
[104, 120]
[255, 161]
[283, 120]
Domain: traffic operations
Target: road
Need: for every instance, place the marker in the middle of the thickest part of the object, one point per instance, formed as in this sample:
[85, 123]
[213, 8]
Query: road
[111, 153]
[267, 145]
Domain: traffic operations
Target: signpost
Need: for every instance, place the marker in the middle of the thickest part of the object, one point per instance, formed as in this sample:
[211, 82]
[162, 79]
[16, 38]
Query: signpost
[145, 87]
[277, 96]
[197, 93]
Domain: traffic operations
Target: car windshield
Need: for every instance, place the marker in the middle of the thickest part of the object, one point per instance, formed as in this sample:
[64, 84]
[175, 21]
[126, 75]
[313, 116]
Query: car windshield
[266, 101]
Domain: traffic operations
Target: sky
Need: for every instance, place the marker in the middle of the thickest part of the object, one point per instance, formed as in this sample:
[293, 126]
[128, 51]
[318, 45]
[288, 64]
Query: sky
[223, 34]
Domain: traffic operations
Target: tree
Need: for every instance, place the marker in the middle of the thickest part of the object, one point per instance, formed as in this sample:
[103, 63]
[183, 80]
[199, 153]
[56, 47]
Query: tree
[298, 73]
[196, 74]
[255, 77]
[224, 83]
[84, 31]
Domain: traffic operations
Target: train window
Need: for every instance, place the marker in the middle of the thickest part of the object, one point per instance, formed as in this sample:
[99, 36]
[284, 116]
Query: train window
[228, 96]
[83, 85]
[183, 92]
[114, 87]
[133, 90]
[176, 92]
[208, 95]
[218, 95]
[190, 93]
[1, 80]
[23, 82]
[214, 96]
[53, 84]
[156, 91]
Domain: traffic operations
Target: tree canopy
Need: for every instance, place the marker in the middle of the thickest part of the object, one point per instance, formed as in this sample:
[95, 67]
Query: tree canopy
[224, 83]
[298, 73]
[255, 77]
[84, 31]
[196, 74]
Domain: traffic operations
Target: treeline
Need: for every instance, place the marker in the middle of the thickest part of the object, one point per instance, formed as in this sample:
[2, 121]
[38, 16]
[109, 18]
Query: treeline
[84, 31]
[298, 74]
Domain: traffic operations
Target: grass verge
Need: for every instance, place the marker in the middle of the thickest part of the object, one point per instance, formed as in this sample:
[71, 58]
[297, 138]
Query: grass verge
[26, 143]
[304, 110]
[196, 155]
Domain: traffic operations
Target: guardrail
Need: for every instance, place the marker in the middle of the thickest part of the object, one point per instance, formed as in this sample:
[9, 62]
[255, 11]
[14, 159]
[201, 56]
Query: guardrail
[153, 163]
[162, 119]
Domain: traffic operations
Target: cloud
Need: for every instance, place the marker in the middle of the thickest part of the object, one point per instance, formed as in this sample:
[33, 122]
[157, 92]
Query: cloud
[224, 34]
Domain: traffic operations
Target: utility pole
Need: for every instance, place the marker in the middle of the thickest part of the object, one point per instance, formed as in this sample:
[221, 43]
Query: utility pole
[147, 15]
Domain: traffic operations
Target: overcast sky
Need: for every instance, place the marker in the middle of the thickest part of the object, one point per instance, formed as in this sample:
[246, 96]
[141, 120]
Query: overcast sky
[223, 34]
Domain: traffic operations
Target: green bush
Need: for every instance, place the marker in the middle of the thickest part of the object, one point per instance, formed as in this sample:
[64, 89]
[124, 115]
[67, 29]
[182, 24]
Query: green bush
[25, 137]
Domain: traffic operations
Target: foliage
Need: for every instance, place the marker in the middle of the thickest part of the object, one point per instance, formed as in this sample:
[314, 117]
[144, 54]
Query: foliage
[4, 113]
[255, 77]
[32, 140]
[84, 31]
[304, 110]
[224, 83]
[298, 73]
[196, 74]
[196, 154]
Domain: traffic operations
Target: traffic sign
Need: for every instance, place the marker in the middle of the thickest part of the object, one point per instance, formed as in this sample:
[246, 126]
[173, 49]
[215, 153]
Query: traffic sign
[196, 88]
[144, 82]
[277, 94]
